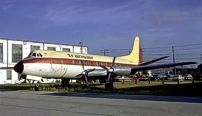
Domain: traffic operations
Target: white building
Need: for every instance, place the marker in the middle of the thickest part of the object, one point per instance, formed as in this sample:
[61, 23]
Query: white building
[12, 51]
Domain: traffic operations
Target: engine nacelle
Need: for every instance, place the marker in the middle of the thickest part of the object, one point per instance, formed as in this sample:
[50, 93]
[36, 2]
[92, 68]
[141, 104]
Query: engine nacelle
[103, 72]
[97, 72]
[122, 70]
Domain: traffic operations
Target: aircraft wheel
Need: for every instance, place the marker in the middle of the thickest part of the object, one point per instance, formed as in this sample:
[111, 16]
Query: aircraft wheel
[37, 87]
[109, 86]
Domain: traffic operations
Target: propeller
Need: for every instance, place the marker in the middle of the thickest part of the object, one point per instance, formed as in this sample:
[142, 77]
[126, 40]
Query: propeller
[110, 70]
[84, 73]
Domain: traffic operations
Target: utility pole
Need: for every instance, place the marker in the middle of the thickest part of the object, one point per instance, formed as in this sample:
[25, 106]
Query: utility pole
[173, 50]
[104, 51]
[81, 46]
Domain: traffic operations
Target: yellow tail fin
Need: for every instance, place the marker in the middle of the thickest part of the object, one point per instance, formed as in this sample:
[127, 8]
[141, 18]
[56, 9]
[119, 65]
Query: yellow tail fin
[136, 54]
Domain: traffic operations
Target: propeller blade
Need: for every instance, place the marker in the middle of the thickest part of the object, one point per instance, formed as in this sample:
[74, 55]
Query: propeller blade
[79, 75]
[113, 61]
[108, 77]
[86, 81]
[103, 67]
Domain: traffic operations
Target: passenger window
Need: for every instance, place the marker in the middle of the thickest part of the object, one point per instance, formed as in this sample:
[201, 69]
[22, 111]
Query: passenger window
[73, 62]
[79, 62]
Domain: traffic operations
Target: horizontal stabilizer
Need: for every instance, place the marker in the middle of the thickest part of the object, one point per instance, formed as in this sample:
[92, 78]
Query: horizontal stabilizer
[152, 61]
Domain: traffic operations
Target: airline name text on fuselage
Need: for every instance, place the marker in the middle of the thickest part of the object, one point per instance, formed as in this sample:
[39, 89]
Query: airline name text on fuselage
[80, 56]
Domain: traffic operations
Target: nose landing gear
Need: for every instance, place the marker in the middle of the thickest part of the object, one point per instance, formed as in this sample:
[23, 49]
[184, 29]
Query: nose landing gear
[37, 87]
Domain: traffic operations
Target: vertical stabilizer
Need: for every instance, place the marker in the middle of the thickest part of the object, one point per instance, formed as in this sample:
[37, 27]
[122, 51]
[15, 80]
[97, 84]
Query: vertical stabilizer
[136, 53]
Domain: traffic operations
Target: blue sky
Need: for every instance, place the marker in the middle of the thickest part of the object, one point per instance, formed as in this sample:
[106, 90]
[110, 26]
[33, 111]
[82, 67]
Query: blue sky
[103, 23]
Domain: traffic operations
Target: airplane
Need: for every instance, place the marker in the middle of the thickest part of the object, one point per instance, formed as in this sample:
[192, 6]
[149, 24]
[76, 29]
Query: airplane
[67, 65]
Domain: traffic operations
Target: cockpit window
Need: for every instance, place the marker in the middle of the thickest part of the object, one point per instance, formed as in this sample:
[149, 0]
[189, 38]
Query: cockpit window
[31, 54]
[40, 55]
[34, 55]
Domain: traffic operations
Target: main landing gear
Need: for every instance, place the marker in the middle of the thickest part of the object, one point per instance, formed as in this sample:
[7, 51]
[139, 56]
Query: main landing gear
[65, 82]
[110, 84]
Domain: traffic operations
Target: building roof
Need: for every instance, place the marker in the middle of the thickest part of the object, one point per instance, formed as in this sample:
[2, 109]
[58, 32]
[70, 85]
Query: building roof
[39, 41]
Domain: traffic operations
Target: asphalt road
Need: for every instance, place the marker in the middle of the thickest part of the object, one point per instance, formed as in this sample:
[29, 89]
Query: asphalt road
[27, 103]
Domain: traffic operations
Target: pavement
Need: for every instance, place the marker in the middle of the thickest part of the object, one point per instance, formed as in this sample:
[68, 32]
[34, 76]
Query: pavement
[32, 103]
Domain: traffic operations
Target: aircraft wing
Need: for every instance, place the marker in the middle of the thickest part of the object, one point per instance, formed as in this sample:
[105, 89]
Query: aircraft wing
[148, 67]
[200, 66]
[152, 61]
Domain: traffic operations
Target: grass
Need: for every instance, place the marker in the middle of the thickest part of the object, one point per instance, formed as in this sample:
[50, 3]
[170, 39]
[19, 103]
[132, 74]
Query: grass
[142, 88]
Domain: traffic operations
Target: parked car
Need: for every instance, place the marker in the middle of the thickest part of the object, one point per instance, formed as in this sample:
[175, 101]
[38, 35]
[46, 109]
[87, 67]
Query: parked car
[161, 76]
[188, 77]
[176, 77]
[170, 77]
[144, 78]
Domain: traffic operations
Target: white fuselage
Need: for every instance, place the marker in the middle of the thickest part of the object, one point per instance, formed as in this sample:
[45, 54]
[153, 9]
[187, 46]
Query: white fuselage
[54, 70]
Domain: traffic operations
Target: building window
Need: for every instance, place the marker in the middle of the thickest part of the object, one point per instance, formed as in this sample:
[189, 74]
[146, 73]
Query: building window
[9, 75]
[1, 52]
[34, 47]
[16, 52]
[66, 49]
[51, 48]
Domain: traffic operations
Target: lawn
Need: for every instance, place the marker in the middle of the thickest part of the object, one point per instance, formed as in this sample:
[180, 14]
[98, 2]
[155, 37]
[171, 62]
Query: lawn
[141, 88]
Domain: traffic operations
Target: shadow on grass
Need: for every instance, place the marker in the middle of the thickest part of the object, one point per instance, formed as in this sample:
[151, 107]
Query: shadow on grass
[15, 87]
[45, 87]
[190, 93]
[186, 89]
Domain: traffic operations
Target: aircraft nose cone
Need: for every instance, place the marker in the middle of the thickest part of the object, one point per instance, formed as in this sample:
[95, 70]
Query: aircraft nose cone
[19, 67]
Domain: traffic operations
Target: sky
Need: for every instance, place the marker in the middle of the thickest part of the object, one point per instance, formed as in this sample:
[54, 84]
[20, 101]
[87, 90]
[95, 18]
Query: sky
[103, 24]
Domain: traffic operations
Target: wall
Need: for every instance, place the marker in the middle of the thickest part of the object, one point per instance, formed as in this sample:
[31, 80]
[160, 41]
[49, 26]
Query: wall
[77, 49]
[27, 47]
[4, 63]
